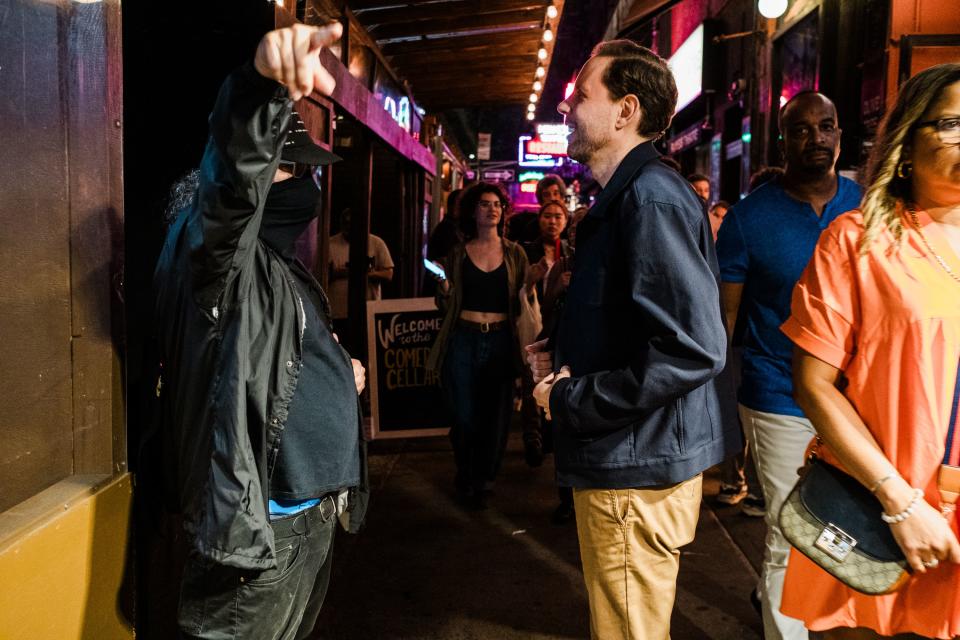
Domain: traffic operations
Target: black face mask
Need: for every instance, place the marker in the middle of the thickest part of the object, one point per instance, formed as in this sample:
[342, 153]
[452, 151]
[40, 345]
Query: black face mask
[291, 206]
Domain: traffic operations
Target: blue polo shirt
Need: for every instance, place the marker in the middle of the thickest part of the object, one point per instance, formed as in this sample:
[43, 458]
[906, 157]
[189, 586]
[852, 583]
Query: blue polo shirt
[764, 243]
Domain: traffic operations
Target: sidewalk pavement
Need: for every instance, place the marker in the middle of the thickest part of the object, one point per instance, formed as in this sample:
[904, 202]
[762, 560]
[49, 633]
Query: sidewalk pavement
[423, 568]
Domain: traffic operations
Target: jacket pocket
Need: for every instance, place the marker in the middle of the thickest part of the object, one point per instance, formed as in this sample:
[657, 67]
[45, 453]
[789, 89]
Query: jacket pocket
[612, 449]
[660, 434]
[679, 402]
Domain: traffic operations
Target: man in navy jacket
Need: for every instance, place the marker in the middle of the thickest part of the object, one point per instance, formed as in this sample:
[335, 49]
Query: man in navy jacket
[640, 344]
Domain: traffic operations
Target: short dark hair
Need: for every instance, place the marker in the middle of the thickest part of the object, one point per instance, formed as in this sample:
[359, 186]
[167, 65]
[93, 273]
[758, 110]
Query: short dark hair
[806, 93]
[697, 177]
[548, 180]
[639, 71]
[467, 206]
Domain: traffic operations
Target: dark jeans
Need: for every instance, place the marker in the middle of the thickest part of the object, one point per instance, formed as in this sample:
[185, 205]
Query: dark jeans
[477, 378]
[224, 603]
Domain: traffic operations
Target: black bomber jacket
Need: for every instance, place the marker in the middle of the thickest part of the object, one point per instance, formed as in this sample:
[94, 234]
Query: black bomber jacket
[230, 333]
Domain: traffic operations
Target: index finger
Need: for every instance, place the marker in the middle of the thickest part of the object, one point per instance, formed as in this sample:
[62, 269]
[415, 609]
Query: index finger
[325, 36]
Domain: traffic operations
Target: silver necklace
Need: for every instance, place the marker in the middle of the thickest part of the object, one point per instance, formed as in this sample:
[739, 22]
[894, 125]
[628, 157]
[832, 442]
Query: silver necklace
[940, 261]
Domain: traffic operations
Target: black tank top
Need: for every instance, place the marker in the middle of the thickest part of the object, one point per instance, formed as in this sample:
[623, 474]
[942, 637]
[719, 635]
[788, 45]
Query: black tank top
[484, 290]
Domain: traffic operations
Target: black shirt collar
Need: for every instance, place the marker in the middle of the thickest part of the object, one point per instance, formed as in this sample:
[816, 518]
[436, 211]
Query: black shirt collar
[635, 160]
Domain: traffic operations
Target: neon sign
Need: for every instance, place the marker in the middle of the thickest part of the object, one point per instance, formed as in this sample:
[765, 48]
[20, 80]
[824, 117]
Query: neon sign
[399, 111]
[547, 149]
[542, 147]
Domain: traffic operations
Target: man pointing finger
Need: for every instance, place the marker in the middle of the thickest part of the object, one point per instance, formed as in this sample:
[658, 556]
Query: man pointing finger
[259, 398]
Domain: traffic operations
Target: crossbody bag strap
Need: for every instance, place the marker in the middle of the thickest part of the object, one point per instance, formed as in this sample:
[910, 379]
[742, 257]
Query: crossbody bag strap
[951, 454]
[948, 481]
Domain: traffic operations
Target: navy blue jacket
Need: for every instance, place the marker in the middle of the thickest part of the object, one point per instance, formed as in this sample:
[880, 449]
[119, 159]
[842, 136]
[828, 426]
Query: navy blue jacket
[642, 332]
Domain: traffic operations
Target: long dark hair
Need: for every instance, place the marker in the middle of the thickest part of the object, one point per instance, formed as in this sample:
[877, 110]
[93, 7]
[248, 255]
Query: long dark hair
[467, 206]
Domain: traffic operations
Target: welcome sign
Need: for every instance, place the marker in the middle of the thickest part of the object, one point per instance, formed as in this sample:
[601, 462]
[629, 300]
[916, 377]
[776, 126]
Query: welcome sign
[405, 397]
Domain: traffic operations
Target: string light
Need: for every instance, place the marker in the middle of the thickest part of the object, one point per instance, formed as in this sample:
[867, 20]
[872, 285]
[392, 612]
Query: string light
[530, 116]
[542, 54]
[531, 107]
[533, 98]
[551, 12]
[547, 35]
[537, 85]
[540, 71]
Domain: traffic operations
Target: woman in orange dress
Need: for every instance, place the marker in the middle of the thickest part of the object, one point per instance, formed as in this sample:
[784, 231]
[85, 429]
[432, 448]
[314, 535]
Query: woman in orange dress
[876, 321]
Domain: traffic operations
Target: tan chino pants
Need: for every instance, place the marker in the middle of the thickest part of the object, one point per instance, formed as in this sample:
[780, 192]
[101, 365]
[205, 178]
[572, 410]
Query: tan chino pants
[630, 543]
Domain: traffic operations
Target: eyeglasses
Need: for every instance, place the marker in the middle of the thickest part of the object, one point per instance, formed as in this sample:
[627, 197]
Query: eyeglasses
[947, 129]
[298, 170]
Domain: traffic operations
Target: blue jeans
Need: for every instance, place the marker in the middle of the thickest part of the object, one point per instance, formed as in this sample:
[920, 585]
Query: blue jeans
[223, 603]
[477, 377]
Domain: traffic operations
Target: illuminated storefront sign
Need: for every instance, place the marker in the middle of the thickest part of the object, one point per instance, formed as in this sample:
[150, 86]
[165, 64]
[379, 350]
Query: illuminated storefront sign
[687, 67]
[547, 149]
[399, 111]
[531, 175]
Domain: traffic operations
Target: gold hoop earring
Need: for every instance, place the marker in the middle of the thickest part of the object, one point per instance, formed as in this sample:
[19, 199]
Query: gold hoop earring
[904, 169]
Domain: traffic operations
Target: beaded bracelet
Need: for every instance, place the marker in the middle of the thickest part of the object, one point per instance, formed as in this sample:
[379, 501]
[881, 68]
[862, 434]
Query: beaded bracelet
[906, 513]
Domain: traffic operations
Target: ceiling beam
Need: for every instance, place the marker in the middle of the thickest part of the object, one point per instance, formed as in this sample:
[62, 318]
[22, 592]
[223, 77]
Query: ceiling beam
[511, 74]
[525, 50]
[442, 103]
[379, 4]
[426, 63]
[453, 80]
[499, 88]
[437, 10]
[523, 17]
[462, 43]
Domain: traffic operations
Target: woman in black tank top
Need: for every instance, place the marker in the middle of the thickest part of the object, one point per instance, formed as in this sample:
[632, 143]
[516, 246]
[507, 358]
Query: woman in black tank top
[477, 350]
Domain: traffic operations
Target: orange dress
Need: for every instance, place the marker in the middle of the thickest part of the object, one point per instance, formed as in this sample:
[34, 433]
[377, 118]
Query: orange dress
[890, 320]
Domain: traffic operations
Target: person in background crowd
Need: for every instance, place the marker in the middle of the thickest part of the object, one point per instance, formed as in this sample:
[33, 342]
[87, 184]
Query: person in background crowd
[379, 270]
[700, 184]
[524, 227]
[446, 234]
[444, 238]
[558, 278]
[638, 347]
[554, 294]
[248, 356]
[762, 176]
[670, 162]
[764, 244]
[738, 477]
[543, 253]
[718, 211]
[876, 321]
[476, 351]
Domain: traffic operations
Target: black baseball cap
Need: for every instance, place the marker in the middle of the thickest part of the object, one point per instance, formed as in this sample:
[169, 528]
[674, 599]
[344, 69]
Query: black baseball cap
[300, 147]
